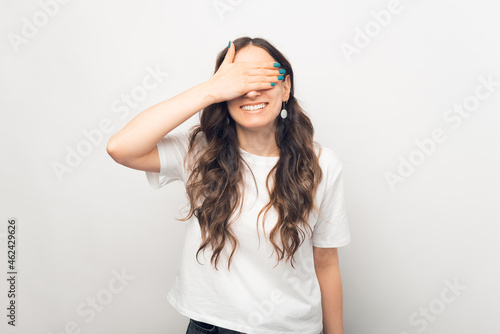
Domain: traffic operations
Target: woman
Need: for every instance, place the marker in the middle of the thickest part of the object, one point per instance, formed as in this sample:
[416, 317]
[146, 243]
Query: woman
[250, 167]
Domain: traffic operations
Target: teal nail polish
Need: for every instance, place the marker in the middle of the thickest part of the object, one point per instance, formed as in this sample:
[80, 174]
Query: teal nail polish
[282, 71]
[229, 45]
[277, 65]
[280, 77]
[272, 84]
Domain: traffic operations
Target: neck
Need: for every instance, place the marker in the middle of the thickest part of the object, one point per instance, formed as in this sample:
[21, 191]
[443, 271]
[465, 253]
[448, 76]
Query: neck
[258, 141]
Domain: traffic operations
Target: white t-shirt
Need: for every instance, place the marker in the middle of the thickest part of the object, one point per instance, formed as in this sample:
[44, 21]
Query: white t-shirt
[253, 297]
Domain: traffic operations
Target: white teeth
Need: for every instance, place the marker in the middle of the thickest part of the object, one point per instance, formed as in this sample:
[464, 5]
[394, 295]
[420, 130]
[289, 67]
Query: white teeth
[255, 107]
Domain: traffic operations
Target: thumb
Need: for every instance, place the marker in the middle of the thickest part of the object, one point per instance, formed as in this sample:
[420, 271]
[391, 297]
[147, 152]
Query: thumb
[230, 54]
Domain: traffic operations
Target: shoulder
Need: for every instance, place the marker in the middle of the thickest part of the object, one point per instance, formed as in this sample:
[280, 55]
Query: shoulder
[180, 140]
[182, 137]
[328, 159]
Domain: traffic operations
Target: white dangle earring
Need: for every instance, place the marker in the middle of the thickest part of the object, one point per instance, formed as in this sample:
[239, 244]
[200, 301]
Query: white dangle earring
[284, 113]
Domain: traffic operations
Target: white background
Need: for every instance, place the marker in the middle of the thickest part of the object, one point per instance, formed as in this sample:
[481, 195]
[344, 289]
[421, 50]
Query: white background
[68, 75]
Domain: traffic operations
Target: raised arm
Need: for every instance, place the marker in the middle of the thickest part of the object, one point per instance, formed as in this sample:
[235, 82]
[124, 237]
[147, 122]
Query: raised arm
[134, 146]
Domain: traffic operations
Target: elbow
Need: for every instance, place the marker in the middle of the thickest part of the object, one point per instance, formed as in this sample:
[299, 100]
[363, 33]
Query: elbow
[114, 151]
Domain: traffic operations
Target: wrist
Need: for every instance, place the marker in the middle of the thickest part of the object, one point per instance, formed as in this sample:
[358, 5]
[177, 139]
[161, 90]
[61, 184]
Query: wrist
[209, 97]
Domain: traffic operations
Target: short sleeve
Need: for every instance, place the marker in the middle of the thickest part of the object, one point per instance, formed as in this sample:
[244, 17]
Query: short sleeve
[333, 230]
[171, 151]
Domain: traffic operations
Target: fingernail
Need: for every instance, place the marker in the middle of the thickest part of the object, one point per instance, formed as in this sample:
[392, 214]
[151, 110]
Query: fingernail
[282, 71]
[229, 45]
[280, 77]
[272, 84]
[277, 65]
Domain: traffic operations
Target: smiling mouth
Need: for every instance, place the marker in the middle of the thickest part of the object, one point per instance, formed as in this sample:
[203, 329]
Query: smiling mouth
[253, 107]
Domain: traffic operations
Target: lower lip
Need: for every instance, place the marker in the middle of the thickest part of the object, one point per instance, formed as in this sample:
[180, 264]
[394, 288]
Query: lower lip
[255, 111]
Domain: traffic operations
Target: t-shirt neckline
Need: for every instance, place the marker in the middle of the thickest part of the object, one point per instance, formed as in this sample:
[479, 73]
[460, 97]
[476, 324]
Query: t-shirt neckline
[258, 159]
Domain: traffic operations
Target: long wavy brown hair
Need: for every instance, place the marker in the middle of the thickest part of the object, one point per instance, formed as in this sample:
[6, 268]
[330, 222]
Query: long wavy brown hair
[213, 186]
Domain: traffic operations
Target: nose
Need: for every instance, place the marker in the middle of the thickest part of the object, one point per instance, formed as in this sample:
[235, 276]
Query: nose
[252, 94]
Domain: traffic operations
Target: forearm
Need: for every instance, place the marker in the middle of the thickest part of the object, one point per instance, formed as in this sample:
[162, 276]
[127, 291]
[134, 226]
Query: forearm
[145, 130]
[331, 299]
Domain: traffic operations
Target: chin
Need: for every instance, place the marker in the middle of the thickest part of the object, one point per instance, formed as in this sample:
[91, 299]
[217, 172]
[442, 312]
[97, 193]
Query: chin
[256, 124]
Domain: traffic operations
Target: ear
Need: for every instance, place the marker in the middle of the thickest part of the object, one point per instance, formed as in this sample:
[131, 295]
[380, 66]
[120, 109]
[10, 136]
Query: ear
[286, 88]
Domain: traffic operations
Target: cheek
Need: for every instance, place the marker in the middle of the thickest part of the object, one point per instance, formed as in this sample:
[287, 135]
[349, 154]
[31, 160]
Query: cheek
[232, 106]
[277, 107]
[277, 93]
